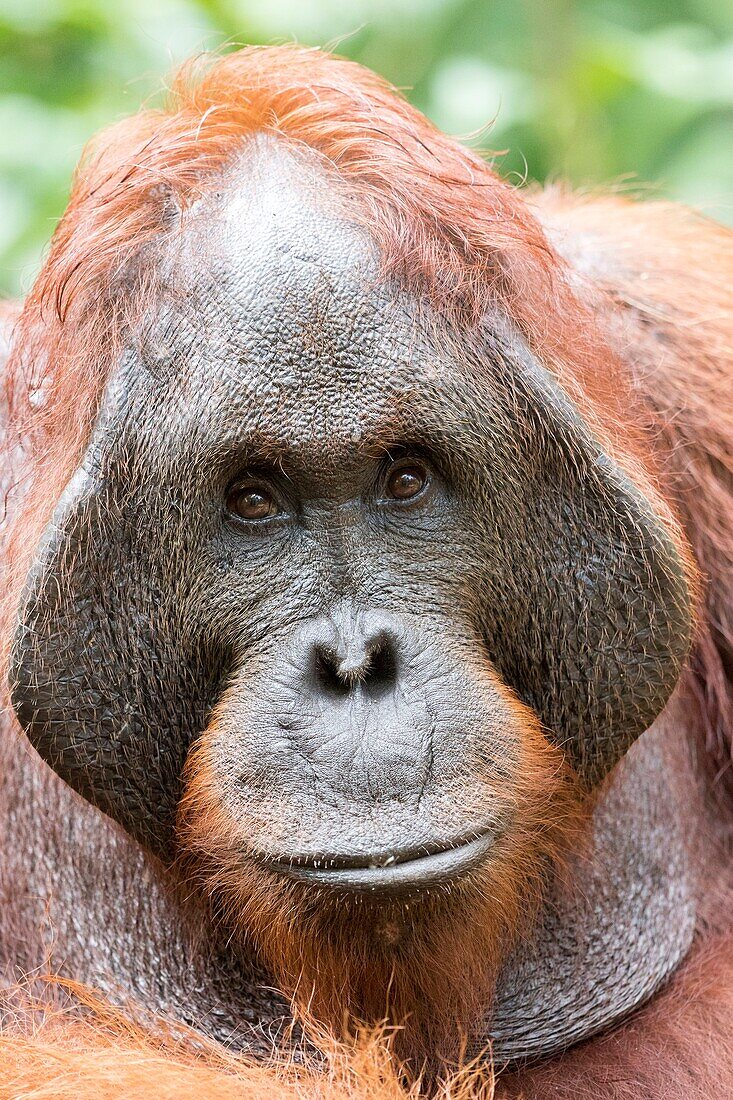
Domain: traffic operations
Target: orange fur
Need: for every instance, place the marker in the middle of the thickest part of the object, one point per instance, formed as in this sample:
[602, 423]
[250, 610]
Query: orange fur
[447, 227]
[52, 1052]
[416, 964]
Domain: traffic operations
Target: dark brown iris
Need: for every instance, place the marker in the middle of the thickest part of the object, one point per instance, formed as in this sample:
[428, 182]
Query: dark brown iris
[407, 481]
[251, 502]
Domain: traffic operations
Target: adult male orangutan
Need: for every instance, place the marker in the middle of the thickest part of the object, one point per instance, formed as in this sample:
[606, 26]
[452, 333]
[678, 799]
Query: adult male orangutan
[368, 619]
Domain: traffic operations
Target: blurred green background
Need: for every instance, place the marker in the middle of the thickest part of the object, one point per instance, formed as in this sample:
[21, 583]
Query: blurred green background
[593, 91]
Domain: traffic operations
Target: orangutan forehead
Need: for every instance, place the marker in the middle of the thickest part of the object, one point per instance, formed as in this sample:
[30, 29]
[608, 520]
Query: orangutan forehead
[275, 241]
[275, 304]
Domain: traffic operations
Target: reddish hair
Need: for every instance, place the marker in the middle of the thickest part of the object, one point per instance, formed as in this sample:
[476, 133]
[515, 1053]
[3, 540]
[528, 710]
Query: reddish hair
[341, 960]
[446, 226]
[67, 1043]
[676, 1046]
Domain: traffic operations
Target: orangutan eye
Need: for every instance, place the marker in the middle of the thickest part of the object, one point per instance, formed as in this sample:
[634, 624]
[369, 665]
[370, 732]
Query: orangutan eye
[253, 503]
[407, 480]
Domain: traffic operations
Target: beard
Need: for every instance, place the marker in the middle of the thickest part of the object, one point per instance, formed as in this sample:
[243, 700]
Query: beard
[425, 965]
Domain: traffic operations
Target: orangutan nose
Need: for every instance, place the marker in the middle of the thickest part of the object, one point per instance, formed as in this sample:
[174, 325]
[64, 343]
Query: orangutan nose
[364, 658]
[360, 725]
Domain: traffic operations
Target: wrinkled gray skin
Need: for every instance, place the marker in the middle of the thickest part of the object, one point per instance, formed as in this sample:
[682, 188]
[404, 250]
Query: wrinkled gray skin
[531, 559]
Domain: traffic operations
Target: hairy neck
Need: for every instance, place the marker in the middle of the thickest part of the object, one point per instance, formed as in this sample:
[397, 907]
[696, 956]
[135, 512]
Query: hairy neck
[620, 925]
[602, 946]
[608, 933]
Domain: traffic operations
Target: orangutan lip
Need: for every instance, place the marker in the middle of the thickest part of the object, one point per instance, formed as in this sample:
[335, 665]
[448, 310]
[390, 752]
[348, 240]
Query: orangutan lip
[392, 873]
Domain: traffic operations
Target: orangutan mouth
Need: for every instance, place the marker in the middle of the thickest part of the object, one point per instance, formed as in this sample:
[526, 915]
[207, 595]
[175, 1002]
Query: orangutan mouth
[394, 872]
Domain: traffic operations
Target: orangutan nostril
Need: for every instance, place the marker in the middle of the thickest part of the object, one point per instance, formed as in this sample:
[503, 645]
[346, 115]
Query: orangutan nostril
[369, 662]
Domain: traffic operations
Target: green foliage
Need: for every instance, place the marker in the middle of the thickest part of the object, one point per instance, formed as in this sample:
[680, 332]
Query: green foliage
[592, 91]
